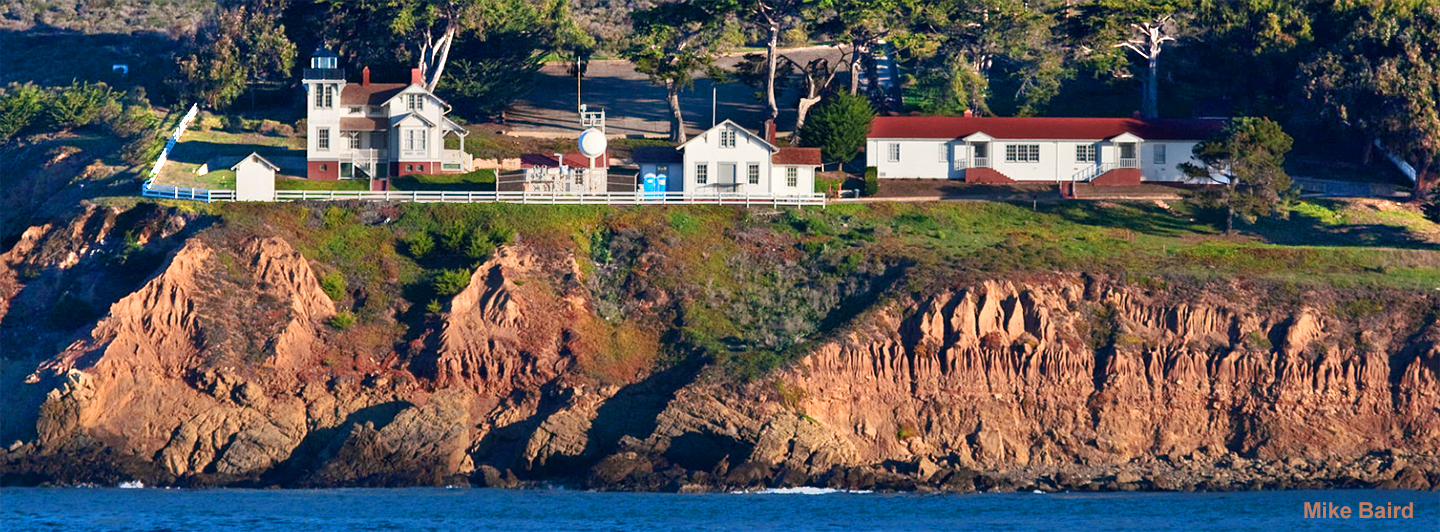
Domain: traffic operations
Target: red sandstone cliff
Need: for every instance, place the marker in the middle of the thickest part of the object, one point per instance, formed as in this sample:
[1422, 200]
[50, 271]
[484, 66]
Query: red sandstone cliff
[220, 368]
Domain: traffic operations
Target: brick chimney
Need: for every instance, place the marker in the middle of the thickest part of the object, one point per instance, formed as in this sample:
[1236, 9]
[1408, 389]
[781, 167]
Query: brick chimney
[969, 113]
[770, 131]
[365, 77]
[416, 78]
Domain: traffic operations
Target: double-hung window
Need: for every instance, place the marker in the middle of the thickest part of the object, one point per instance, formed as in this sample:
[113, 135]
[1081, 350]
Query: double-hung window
[727, 138]
[1159, 154]
[753, 174]
[1022, 153]
[792, 177]
[1085, 153]
[415, 102]
[944, 152]
[894, 152]
[324, 96]
[322, 139]
[415, 140]
[702, 173]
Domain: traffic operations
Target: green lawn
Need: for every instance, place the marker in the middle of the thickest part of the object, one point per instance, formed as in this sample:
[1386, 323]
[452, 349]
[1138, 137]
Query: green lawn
[305, 184]
[479, 181]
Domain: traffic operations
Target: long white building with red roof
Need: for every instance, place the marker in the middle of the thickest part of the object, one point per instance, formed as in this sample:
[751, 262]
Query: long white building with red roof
[1102, 151]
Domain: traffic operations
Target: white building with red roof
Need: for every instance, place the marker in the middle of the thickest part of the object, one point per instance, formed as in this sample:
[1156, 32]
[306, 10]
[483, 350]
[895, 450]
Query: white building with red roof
[1102, 151]
[375, 130]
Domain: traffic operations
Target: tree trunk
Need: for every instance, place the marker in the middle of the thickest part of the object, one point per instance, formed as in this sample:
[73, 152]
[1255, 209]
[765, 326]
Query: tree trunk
[1424, 182]
[855, 66]
[770, 59]
[1230, 208]
[1150, 109]
[800, 111]
[1368, 151]
[677, 121]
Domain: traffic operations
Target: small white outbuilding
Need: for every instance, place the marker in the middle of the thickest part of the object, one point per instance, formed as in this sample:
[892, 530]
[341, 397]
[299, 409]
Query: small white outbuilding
[255, 178]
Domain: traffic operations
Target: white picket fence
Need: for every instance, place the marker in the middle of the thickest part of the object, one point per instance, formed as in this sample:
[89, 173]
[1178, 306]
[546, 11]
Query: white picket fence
[552, 198]
[170, 144]
[151, 190]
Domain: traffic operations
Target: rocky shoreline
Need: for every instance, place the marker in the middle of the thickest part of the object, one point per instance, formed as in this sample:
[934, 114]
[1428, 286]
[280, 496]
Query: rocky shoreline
[630, 471]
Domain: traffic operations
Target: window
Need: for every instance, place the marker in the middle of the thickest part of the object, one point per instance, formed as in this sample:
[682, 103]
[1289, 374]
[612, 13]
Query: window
[415, 102]
[1159, 154]
[324, 96]
[415, 140]
[702, 173]
[1022, 153]
[754, 174]
[352, 139]
[727, 138]
[420, 168]
[356, 110]
[324, 167]
[792, 177]
[409, 168]
[322, 139]
[1127, 150]
[1085, 154]
[894, 152]
[944, 152]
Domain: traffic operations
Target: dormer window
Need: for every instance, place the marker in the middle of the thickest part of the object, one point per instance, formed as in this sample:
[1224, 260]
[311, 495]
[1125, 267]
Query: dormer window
[415, 102]
[727, 138]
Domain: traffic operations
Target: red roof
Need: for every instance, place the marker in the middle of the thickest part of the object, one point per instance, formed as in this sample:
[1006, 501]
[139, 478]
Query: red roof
[1040, 128]
[360, 123]
[372, 94]
[797, 156]
[531, 160]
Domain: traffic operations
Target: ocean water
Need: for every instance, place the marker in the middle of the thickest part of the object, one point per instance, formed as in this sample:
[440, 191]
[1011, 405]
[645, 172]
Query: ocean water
[457, 510]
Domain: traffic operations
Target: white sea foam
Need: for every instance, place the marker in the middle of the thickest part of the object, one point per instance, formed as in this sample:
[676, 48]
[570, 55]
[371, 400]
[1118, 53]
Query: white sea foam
[803, 490]
[132, 484]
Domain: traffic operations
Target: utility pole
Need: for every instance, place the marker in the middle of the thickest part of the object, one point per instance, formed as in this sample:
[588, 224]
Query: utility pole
[713, 92]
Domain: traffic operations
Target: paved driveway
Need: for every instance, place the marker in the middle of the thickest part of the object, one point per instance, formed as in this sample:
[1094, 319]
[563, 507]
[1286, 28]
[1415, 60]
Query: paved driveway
[634, 106]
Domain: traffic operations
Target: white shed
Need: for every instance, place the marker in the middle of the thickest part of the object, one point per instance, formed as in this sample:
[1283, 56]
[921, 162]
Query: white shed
[255, 178]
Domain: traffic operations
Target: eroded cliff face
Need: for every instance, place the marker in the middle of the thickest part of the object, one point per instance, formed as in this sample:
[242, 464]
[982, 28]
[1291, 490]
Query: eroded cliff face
[220, 368]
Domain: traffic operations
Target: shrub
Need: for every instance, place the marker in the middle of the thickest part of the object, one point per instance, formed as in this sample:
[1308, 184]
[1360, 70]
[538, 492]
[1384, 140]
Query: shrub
[502, 235]
[333, 284]
[20, 105]
[1431, 208]
[419, 244]
[872, 181]
[78, 105]
[232, 124]
[450, 282]
[342, 320]
[434, 306]
[454, 238]
[480, 246]
[823, 185]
